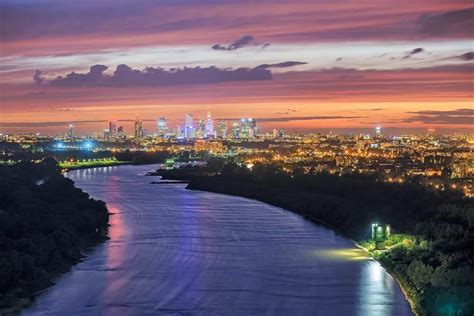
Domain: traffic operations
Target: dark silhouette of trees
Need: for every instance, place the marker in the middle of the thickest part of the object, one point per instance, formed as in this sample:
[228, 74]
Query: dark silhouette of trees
[45, 223]
[436, 268]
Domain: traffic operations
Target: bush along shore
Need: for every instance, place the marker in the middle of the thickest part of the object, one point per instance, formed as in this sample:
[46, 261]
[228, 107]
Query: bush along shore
[45, 225]
[430, 251]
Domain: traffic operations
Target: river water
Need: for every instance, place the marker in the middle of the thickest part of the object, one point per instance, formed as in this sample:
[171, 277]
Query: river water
[180, 252]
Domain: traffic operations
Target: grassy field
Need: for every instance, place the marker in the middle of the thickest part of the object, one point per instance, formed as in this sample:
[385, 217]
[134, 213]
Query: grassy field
[90, 163]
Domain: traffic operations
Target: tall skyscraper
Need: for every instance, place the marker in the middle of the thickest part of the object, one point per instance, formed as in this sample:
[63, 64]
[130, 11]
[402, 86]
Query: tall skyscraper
[189, 130]
[378, 131]
[248, 128]
[278, 133]
[113, 128]
[138, 128]
[120, 132]
[235, 130]
[70, 132]
[209, 126]
[201, 129]
[222, 129]
[161, 128]
[188, 120]
[106, 134]
[253, 128]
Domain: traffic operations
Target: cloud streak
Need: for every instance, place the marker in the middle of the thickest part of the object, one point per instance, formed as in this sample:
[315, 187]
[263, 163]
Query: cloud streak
[242, 42]
[454, 117]
[96, 25]
[415, 51]
[285, 64]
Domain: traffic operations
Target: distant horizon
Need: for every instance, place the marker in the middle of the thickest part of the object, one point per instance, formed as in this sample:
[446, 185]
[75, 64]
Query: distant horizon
[81, 131]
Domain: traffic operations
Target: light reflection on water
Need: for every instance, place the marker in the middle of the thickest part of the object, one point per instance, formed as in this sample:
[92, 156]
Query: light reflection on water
[352, 253]
[174, 251]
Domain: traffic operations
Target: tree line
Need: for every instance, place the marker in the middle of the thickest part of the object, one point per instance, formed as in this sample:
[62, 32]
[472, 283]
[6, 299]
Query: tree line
[45, 224]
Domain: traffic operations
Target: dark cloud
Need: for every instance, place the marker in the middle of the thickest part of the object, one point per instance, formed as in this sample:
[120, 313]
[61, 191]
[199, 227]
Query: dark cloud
[285, 64]
[455, 117]
[94, 76]
[37, 78]
[125, 76]
[441, 119]
[458, 112]
[416, 51]
[244, 41]
[458, 23]
[466, 56]
[413, 52]
[339, 59]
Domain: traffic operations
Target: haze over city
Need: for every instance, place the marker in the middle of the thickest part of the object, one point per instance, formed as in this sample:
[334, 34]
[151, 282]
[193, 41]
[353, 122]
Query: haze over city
[304, 65]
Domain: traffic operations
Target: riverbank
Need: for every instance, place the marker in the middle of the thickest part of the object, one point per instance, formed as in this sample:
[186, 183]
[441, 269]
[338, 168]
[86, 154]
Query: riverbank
[431, 259]
[46, 224]
[257, 195]
[49, 281]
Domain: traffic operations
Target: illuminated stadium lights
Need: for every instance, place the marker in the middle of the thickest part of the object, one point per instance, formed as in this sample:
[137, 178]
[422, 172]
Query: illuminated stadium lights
[88, 145]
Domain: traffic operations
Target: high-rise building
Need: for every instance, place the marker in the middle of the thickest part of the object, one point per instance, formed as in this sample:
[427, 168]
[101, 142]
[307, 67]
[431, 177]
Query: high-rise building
[70, 132]
[278, 133]
[113, 128]
[189, 130]
[138, 128]
[248, 128]
[209, 126]
[378, 131]
[161, 128]
[235, 130]
[106, 134]
[253, 127]
[188, 120]
[120, 132]
[222, 129]
[201, 129]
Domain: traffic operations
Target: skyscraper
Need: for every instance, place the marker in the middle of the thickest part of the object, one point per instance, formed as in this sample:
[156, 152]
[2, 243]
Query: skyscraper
[248, 128]
[209, 126]
[378, 132]
[188, 120]
[113, 128]
[189, 130]
[200, 131]
[106, 134]
[235, 130]
[138, 128]
[222, 129]
[120, 132]
[70, 132]
[161, 128]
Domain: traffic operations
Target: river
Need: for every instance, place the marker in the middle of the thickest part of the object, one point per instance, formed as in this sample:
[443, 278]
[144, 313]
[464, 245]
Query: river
[180, 252]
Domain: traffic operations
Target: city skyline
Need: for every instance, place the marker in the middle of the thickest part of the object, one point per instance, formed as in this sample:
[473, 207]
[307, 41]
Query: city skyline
[202, 128]
[334, 66]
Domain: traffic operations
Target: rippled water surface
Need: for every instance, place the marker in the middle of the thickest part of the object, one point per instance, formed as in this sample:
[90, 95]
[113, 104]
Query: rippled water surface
[179, 252]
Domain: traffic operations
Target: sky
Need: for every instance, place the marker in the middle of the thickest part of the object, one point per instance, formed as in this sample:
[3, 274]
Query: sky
[297, 65]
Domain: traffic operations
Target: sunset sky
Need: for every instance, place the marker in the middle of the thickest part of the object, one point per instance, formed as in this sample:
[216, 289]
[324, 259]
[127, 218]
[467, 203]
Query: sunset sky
[299, 65]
